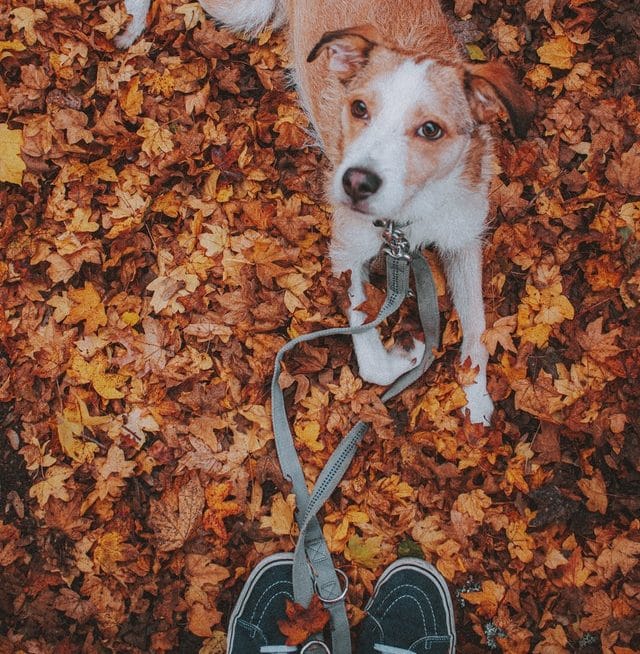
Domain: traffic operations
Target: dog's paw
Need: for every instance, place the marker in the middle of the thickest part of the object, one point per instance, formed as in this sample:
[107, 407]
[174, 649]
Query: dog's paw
[479, 404]
[393, 364]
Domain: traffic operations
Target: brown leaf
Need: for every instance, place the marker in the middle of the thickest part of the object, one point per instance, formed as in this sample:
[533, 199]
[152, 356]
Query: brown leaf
[173, 517]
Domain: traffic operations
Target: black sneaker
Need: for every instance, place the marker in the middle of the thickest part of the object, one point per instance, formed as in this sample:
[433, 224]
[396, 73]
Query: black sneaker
[253, 627]
[409, 612]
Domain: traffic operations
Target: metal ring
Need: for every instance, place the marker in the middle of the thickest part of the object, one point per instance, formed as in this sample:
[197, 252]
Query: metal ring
[315, 642]
[339, 598]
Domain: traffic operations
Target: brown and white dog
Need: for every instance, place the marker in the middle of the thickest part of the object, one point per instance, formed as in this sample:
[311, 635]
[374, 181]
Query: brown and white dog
[402, 119]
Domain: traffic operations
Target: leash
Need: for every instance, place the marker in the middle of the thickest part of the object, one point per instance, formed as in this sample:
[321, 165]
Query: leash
[313, 570]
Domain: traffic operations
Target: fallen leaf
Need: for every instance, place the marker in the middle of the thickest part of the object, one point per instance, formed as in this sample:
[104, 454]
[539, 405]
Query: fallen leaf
[12, 166]
[302, 622]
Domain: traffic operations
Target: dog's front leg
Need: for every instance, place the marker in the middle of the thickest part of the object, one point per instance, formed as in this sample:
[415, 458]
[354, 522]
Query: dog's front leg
[463, 269]
[376, 364]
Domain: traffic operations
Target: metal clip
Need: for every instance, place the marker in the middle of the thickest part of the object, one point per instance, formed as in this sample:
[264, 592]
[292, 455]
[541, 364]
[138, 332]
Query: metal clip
[343, 592]
[396, 243]
[315, 646]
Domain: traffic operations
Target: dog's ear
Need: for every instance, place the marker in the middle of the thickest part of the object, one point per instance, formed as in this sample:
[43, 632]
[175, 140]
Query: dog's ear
[348, 49]
[491, 88]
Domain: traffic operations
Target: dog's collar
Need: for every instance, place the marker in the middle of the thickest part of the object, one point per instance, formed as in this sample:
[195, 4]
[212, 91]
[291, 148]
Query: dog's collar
[396, 243]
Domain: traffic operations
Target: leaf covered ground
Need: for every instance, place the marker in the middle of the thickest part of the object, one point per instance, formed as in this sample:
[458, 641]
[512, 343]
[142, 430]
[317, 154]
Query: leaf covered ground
[164, 234]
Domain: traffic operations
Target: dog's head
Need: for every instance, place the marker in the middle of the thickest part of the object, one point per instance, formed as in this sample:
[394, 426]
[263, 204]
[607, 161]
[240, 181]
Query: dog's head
[409, 120]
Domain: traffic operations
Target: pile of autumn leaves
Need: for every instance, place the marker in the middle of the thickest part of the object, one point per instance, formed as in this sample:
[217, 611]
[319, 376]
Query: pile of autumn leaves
[163, 237]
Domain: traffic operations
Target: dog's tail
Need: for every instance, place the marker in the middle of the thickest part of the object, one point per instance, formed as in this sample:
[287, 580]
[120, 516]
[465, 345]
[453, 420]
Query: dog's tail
[246, 16]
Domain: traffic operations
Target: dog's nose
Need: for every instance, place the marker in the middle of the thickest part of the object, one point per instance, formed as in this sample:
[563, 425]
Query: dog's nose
[360, 183]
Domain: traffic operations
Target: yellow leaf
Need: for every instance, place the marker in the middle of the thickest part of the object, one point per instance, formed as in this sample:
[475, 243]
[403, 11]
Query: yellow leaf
[75, 448]
[364, 551]
[109, 551]
[307, 432]
[557, 53]
[52, 485]
[88, 308]
[15, 46]
[280, 521]
[475, 52]
[94, 372]
[11, 164]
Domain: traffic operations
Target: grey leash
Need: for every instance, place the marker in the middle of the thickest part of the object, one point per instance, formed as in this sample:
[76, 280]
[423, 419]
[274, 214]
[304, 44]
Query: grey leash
[313, 570]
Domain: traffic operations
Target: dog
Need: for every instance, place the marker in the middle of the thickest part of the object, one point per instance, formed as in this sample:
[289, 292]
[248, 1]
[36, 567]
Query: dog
[403, 120]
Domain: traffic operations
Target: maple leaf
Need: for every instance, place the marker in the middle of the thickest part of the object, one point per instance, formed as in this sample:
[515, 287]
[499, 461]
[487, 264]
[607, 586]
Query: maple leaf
[114, 21]
[473, 504]
[599, 607]
[281, 519]
[173, 524]
[307, 432]
[25, 18]
[521, 544]
[595, 490]
[500, 334]
[156, 139]
[558, 52]
[487, 599]
[621, 554]
[303, 622]
[52, 485]
[111, 550]
[94, 372]
[74, 606]
[575, 573]
[11, 164]
[347, 386]
[87, 307]
[218, 508]
[364, 551]
[507, 36]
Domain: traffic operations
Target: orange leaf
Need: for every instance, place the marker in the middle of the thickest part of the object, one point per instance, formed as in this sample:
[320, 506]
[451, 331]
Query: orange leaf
[88, 307]
[302, 623]
[219, 508]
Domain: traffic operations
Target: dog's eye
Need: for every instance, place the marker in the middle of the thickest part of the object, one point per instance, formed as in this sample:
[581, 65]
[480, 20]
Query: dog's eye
[359, 109]
[430, 131]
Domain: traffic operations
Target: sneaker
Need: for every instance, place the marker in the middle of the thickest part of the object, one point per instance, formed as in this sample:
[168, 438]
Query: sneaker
[253, 626]
[409, 612]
